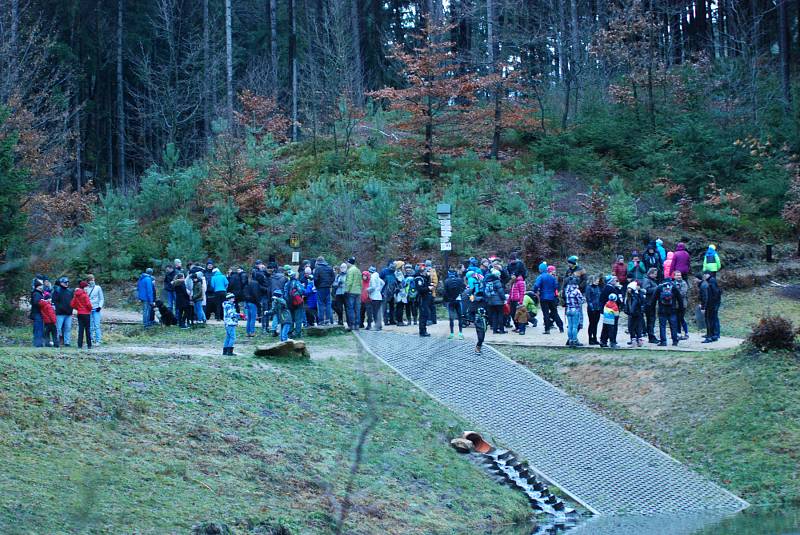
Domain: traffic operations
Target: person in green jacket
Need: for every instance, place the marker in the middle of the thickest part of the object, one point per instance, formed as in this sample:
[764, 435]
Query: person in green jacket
[352, 288]
[711, 261]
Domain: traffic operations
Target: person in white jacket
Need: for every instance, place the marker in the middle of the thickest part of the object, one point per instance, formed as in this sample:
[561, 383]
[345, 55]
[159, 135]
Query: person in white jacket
[375, 291]
[98, 300]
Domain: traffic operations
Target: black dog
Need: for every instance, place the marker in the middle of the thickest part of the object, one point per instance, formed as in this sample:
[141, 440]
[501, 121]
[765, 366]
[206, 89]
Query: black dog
[167, 317]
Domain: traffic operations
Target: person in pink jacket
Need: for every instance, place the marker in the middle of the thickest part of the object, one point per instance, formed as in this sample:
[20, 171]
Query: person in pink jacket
[669, 265]
[517, 294]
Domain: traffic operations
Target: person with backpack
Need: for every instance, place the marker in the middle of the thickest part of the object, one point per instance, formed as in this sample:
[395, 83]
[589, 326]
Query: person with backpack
[574, 300]
[453, 288]
[376, 285]
[62, 302]
[636, 269]
[710, 301]
[389, 291]
[83, 306]
[231, 319]
[412, 294]
[594, 308]
[294, 293]
[635, 299]
[36, 313]
[98, 300]
[280, 310]
[324, 278]
[546, 286]
[669, 300]
[608, 334]
[424, 289]
[711, 261]
[650, 285]
[277, 281]
[495, 296]
[683, 290]
[352, 287]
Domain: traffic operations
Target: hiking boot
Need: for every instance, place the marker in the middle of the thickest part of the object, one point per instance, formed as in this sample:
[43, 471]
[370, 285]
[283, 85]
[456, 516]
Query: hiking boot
[424, 335]
[577, 344]
[478, 349]
[674, 342]
[614, 346]
[460, 336]
[662, 344]
[707, 341]
[546, 332]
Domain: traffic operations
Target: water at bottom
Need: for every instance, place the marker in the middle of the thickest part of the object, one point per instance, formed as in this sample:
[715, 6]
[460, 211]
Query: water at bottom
[751, 521]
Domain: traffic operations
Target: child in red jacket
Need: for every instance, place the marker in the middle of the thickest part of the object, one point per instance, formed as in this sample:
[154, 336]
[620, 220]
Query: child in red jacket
[83, 306]
[49, 320]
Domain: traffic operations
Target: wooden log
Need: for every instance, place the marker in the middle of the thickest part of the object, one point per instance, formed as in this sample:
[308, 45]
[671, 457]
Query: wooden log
[289, 348]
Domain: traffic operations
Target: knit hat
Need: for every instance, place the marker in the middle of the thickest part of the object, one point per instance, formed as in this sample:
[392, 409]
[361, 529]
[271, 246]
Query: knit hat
[612, 297]
[178, 261]
[551, 269]
[659, 241]
[229, 296]
[83, 284]
[542, 267]
[287, 268]
[149, 271]
[635, 253]
[277, 293]
[351, 260]
[372, 269]
[572, 259]
[620, 257]
[428, 263]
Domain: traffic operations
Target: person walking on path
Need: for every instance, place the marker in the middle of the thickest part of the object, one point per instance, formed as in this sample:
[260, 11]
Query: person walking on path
[574, 303]
[231, 320]
[710, 300]
[594, 308]
[352, 288]
[62, 299]
[545, 287]
[98, 300]
[83, 306]
[146, 292]
[376, 285]
[323, 281]
[683, 290]
[37, 295]
[453, 288]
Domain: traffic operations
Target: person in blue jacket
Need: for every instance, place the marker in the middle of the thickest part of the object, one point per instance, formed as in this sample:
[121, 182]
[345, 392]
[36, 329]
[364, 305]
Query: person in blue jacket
[219, 285]
[146, 292]
[545, 287]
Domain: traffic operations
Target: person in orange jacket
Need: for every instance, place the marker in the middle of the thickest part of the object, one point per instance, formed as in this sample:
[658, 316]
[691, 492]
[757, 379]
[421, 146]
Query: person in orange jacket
[83, 306]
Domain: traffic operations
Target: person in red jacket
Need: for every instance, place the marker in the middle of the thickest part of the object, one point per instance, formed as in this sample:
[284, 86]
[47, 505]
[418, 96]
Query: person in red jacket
[83, 306]
[49, 319]
[620, 270]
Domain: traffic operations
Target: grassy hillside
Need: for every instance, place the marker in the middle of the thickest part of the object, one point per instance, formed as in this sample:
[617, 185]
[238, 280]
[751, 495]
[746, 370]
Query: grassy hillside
[153, 442]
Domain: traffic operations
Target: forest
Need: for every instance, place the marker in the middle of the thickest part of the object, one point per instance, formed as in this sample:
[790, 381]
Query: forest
[132, 132]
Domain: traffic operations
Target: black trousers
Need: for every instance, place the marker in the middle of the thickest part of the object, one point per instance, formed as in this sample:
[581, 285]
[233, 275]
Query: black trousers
[339, 307]
[425, 302]
[50, 334]
[594, 320]
[185, 316]
[550, 314]
[650, 315]
[496, 317]
[636, 326]
[219, 298]
[83, 328]
[609, 333]
[389, 312]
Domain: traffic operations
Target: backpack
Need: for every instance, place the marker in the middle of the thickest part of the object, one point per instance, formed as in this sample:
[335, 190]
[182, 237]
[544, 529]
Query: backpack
[295, 296]
[412, 287]
[488, 289]
[665, 297]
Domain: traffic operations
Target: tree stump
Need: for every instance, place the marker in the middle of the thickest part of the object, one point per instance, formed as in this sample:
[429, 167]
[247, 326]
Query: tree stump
[287, 349]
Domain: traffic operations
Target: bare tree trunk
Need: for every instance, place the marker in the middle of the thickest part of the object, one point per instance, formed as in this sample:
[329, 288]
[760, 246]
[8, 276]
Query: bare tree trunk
[575, 54]
[358, 67]
[122, 181]
[784, 42]
[14, 27]
[78, 142]
[229, 62]
[566, 68]
[206, 73]
[491, 46]
[293, 63]
[273, 44]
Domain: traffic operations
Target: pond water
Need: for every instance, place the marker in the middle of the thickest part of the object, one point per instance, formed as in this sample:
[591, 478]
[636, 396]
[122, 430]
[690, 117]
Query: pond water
[751, 521]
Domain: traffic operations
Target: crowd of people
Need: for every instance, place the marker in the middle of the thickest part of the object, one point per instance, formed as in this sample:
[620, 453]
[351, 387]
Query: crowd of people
[651, 289]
